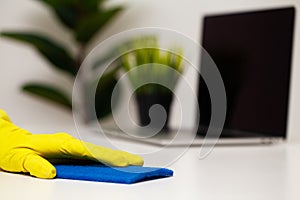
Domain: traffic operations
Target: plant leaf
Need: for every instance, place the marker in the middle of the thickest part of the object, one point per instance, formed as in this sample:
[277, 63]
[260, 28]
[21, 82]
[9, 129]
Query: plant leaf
[65, 11]
[90, 25]
[69, 12]
[53, 52]
[48, 92]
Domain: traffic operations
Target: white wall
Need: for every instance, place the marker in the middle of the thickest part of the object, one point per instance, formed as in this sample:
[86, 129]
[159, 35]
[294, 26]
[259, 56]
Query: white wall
[21, 64]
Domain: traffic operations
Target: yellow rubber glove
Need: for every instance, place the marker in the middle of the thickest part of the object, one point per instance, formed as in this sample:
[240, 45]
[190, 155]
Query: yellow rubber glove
[21, 151]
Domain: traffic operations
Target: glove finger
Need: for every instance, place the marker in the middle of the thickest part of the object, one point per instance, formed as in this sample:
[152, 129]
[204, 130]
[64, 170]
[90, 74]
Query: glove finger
[39, 167]
[62, 145]
[132, 159]
[74, 148]
[48, 144]
[102, 154]
[112, 157]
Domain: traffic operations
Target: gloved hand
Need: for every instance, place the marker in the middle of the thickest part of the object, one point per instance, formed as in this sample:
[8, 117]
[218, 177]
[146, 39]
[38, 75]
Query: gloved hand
[21, 151]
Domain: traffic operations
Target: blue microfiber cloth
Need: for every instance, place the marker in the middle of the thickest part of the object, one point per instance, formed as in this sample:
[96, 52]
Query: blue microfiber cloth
[102, 173]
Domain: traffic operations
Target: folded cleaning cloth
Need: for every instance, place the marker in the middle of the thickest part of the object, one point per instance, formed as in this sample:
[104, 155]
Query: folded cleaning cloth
[102, 173]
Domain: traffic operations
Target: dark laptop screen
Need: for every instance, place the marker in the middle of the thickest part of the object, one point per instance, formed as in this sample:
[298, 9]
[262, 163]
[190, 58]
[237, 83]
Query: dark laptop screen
[252, 51]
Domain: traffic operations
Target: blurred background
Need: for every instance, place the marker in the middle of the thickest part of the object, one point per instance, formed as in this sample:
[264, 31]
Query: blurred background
[21, 64]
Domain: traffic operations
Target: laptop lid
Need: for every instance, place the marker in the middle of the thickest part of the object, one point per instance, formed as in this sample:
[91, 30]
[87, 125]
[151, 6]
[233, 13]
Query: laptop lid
[252, 51]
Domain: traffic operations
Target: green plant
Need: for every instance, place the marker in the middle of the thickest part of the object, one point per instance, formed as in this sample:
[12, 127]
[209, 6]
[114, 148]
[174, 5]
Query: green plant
[153, 73]
[83, 19]
[155, 64]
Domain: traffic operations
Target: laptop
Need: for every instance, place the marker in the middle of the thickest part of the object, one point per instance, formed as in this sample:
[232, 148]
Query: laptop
[253, 52]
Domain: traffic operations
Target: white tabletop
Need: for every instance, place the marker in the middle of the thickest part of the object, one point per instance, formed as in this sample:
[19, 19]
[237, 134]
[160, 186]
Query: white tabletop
[229, 172]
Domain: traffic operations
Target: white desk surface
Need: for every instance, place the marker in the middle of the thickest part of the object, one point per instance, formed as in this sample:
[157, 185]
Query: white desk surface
[236, 172]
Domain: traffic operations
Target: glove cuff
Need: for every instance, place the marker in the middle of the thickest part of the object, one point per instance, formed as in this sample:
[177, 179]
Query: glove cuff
[4, 116]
